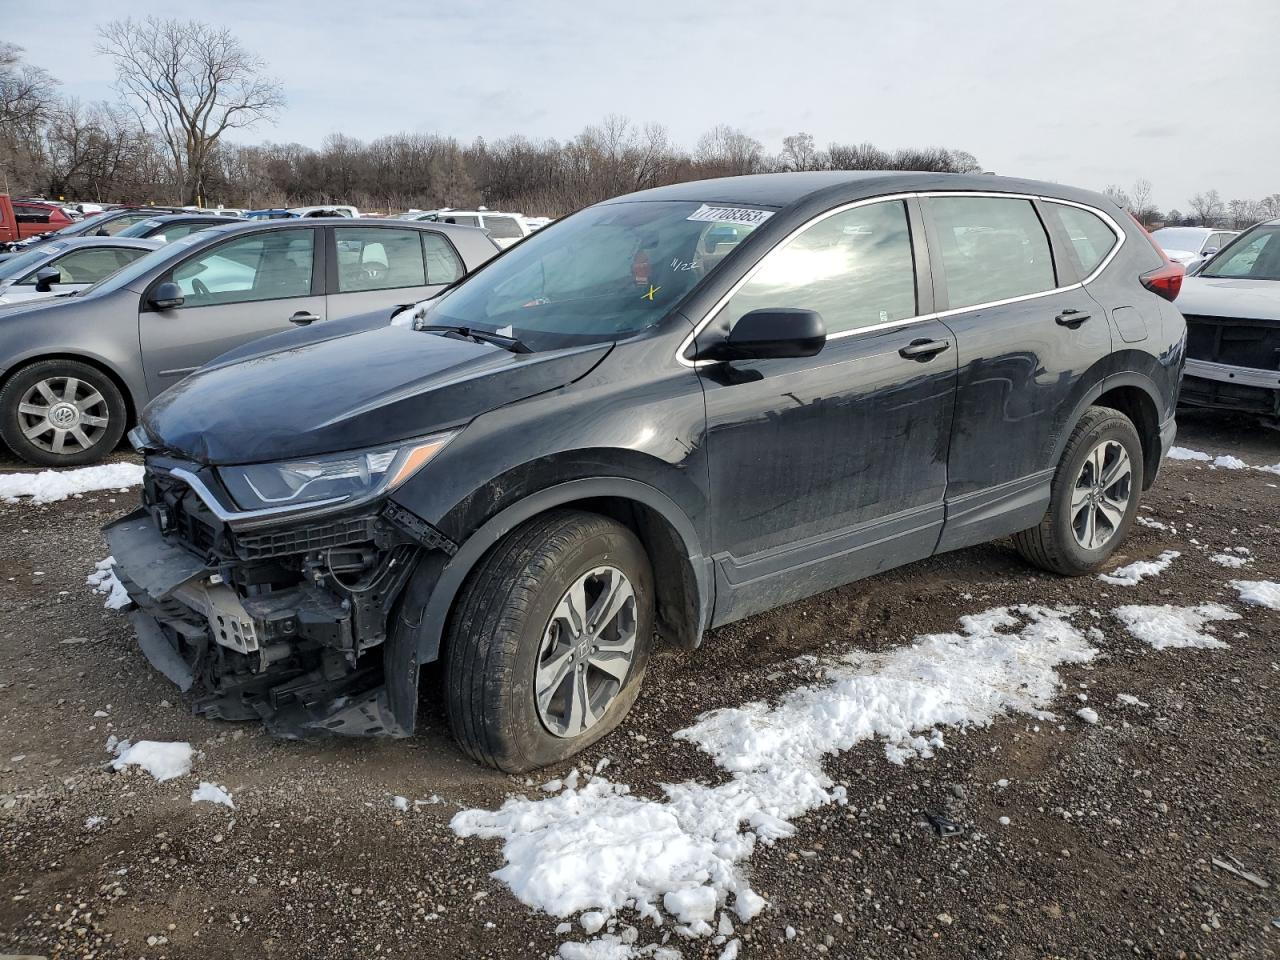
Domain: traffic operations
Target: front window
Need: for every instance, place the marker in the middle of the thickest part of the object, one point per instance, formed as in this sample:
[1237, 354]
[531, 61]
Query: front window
[607, 272]
[90, 264]
[1180, 239]
[1254, 256]
[261, 266]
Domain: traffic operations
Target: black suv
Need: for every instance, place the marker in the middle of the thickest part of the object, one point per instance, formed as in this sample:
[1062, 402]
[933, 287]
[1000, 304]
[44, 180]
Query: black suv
[664, 413]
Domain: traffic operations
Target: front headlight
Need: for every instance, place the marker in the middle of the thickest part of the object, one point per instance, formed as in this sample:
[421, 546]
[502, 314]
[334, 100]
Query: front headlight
[331, 478]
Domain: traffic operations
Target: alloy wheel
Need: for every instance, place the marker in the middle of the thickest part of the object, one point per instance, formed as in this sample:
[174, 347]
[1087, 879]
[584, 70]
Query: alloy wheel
[1100, 495]
[586, 653]
[63, 415]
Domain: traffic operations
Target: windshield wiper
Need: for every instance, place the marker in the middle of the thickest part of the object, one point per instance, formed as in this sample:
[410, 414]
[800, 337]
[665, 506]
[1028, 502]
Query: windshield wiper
[483, 336]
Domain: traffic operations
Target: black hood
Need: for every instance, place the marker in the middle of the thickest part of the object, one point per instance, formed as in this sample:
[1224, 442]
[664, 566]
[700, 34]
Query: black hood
[348, 392]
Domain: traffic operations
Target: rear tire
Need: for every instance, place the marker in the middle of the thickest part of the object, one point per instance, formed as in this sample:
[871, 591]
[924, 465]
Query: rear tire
[519, 624]
[61, 413]
[1094, 497]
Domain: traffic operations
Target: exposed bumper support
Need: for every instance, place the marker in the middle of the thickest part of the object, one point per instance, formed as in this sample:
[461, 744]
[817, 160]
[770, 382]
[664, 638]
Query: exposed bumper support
[1226, 373]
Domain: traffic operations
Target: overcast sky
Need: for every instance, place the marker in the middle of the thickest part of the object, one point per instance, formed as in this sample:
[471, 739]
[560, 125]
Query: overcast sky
[1086, 92]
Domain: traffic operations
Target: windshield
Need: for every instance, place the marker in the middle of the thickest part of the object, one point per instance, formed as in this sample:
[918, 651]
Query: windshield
[1180, 238]
[602, 274]
[17, 266]
[1254, 256]
[143, 265]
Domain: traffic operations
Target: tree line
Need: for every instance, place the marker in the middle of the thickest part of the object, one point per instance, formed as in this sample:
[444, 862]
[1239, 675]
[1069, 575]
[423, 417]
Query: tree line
[184, 85]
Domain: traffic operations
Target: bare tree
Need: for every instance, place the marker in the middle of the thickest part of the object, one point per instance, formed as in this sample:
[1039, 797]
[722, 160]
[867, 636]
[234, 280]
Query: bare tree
[1207, 207]
[27, 93]
[193, 82]
[727, 151]
[799, 153]
[1116, 195]
[1140, 204]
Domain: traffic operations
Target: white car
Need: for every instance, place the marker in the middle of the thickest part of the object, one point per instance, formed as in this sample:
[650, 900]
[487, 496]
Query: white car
[504, 228]
[56, 267]
[1232, 307]
[326, 210]
[1190, 246]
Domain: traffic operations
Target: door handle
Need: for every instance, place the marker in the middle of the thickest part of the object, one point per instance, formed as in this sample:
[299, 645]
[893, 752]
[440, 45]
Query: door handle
[922, 350]
[302, 318]
[1071, 318]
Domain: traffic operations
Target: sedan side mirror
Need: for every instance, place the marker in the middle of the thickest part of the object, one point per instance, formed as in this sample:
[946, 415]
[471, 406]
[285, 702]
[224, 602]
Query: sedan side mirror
[46, 277]
[167, 296]
[770, 334]
[1208, 252]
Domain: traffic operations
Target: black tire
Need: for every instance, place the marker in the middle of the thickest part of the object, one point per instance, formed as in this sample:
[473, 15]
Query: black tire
[495, 637]
[103, 437]
[1051, 544]
[497, 630]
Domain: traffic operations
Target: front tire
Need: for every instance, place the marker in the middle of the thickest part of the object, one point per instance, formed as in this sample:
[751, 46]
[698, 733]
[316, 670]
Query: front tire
[1094, 497]
[61, 413]
[547, 646]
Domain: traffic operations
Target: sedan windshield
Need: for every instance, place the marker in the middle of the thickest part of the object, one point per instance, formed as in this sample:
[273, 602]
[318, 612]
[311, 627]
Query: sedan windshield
[1254, 256]
[1190, 239]
[602, 274]
[17, 266]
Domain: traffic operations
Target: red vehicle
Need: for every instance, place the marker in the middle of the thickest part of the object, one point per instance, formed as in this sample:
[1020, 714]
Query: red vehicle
[20, 219]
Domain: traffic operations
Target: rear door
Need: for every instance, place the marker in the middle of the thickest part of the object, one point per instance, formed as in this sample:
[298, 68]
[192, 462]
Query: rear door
[377, 268]
[1027, 334]
[243, 288]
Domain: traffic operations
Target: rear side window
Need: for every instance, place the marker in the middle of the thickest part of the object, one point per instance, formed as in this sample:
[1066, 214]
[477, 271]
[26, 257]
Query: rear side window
[855, 268]
[443, 265]
[992, 248]
[1091, 238]
[503, 228]
[460, 219]
[373, 258]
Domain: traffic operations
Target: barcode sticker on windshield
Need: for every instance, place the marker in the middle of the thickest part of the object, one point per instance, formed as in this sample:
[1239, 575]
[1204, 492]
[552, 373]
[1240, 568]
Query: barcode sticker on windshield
[743, 215]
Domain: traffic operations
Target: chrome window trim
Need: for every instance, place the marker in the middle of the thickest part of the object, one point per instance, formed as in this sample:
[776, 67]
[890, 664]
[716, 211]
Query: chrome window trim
[719, 305]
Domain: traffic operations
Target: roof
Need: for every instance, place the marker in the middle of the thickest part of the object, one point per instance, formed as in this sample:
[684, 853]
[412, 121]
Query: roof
[784, 189]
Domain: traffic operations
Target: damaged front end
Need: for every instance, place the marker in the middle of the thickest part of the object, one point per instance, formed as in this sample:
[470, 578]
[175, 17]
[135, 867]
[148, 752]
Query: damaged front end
[288, 619]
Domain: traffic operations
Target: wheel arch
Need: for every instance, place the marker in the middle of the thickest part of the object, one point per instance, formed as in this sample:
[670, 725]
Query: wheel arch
[1137, 397]
[132, 402]
[682, 573]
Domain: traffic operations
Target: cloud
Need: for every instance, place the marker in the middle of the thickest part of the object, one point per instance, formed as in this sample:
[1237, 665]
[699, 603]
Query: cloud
[1158, 132]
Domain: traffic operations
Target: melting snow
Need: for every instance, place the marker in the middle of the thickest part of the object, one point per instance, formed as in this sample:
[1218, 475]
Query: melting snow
[1182, 453]
[1260, 593]
[598, 848]
[211, 793]
[164, 761]
[1087, 714]
[50, 485]
[1132, 574]
[103, 580]
[1232, 560]
[1168, 626]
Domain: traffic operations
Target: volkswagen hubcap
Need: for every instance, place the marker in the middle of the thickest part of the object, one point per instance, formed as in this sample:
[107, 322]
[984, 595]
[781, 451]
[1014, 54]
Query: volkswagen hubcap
[1100, 497]
[586, 653]
[63, 415]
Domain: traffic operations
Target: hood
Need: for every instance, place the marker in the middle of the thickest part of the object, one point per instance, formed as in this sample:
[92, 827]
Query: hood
[1240, 297]
[346, 392]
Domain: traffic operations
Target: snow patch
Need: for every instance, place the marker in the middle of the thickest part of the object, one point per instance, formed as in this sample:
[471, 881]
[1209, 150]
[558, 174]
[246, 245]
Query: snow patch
[50, 485]
[1231, 560]
[211, 793]
[1132, 574]
[1260, 593]
[1166, 626]
[1228, 463]
[1088, 715]
[103, 580]
[1182, 453]
[600, 848]
[164, 761]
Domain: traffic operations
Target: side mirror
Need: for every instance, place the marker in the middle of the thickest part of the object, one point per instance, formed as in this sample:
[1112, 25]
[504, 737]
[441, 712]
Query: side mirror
[46, 277]
[167, 296]
[1208, 252]
[770, 334]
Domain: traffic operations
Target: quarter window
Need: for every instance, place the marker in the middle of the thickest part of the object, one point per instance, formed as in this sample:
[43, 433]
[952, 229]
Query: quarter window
[374, 258]
[1091, 238]
[855, 268]
[263, 266]
[443, 265]
[503, 228]
[992, 248]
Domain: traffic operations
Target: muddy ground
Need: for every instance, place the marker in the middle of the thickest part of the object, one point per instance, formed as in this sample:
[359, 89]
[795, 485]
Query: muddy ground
[1107, 853]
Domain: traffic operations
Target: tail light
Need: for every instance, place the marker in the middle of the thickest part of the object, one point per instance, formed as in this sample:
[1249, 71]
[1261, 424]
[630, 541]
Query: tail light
[1163, 281]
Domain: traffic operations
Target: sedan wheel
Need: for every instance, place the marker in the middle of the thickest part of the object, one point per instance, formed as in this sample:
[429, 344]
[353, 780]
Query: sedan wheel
[63, 415]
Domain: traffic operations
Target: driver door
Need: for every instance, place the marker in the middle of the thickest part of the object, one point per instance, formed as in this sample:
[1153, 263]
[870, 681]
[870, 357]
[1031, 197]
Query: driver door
[244, 288]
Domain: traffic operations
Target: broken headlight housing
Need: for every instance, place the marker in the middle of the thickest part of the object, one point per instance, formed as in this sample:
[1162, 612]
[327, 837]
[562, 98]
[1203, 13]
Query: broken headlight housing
[331, 478]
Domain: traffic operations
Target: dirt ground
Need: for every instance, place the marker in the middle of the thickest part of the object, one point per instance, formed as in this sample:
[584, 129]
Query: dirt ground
[1107, 853]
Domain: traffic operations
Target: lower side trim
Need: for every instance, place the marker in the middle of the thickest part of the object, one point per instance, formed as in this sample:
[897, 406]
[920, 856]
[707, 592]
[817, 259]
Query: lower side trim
[997, 511]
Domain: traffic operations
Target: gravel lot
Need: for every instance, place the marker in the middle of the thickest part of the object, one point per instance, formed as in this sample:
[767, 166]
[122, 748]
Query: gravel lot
[1107, 851]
